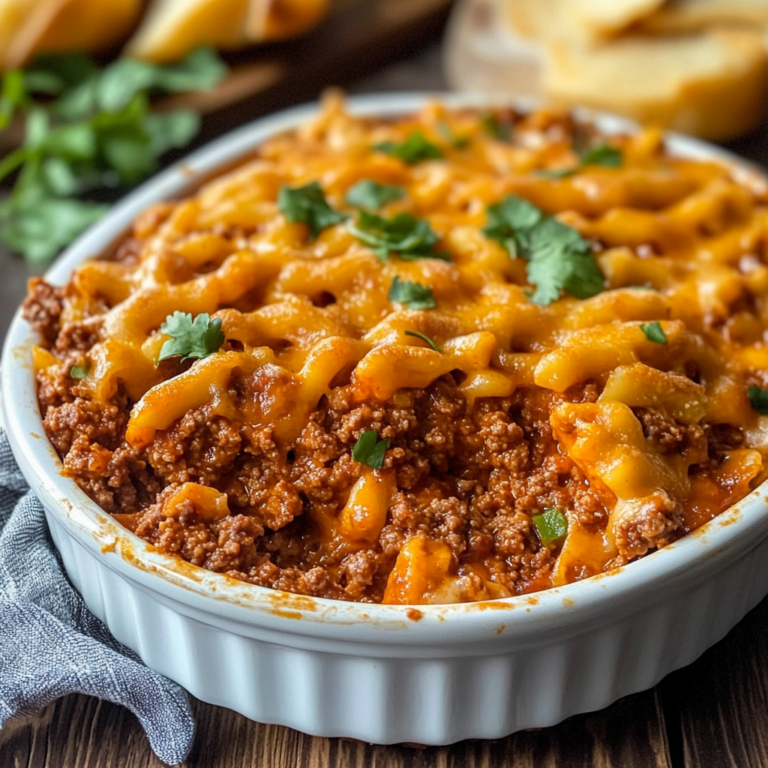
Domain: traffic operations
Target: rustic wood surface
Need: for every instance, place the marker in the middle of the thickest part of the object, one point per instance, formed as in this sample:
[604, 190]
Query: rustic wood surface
[712, 714]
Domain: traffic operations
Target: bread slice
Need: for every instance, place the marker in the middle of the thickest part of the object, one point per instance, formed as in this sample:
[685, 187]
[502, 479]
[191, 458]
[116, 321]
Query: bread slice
[279, 19]
[56, 26]
[172, 28]
[13, 15]
[712, 84]
[588, 20]
[684, 16]
[481, 53]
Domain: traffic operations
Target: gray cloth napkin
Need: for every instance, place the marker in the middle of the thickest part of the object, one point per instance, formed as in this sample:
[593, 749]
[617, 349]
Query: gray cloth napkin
[52, 645]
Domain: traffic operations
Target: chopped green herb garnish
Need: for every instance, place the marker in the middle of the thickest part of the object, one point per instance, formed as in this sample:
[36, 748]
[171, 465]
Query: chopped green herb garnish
[79, 371]
[410, 238]
[602, 154]
[370, 194]
[510, 223]
[555, 173]
[424, 338]
[190, 338]
[413, 150]
[370, 450]
[559, 258]
[307, 205]
[91, 129]
[758, 399]
[457, 142]
[654, 332]
[551, 525]
[495, 128]
[414, 295]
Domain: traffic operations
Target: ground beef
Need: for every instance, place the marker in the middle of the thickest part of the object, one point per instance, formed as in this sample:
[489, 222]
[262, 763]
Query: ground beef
[469, 478]
[42, 309]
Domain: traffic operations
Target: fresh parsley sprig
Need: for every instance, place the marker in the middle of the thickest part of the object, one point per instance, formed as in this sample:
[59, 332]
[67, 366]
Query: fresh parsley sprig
[368, 193]
[654, 332]
[496, 128]
[559, 258]
[601, 154]
[758, 399]
[307, 205]
[551, 525]
[86, 129]
[190, 338]
[410, 238]
[413, 150]
[413, 295]
[369, 450]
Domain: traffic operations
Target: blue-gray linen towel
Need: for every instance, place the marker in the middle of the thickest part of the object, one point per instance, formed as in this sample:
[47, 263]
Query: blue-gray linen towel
[52, 645]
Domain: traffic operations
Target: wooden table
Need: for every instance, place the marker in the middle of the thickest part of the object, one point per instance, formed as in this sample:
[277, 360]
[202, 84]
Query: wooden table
[712, 714]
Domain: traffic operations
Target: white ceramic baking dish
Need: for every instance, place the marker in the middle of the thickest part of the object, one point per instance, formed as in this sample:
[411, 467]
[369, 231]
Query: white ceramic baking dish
[434, 675]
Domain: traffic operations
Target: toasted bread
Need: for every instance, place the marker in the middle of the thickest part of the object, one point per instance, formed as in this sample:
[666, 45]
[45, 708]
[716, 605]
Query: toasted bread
[279, 19]
[712, 84]
[56, 26]
[172, 28]
[683, 16]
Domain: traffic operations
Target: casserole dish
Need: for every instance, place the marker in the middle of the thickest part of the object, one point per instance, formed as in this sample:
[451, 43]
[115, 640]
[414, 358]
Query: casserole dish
[383, 673]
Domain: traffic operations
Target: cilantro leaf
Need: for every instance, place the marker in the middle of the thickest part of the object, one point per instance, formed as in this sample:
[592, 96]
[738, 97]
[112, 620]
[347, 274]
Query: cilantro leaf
[78, 372]
[403, 233]
[496, 128]
[551, 525]
[758, 399]
[411, 151]
[424, 338]
[307, 205]
[99, 132]
[190, 338]
[370, 194]
[369, 450]
[40, 228]
[555, 173]
[654, 332]
[456, 141]
[559, 258]
[414, 295]
[510, 222]
[602, 154]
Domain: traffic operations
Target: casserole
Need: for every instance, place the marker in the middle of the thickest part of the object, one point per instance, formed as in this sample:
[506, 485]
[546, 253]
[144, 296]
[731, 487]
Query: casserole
[432, 674]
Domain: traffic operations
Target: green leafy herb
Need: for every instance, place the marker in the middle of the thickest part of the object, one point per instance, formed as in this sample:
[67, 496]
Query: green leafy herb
[370, 194]
[97, 131]
[758, 399]
[424, 338]
[190, 338]
[654, 332]
[551, 525]
[510, 223]
[555, 173]
[602, 154]
[496, 128]
[79, 371]
[457, 142]
[369, 449]
[413, 150]
[414, 295]
[307, 205]
[410, 238]
[559, 258]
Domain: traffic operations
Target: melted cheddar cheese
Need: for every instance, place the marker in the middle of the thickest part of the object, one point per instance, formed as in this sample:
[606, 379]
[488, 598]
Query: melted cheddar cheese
[681, 243]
